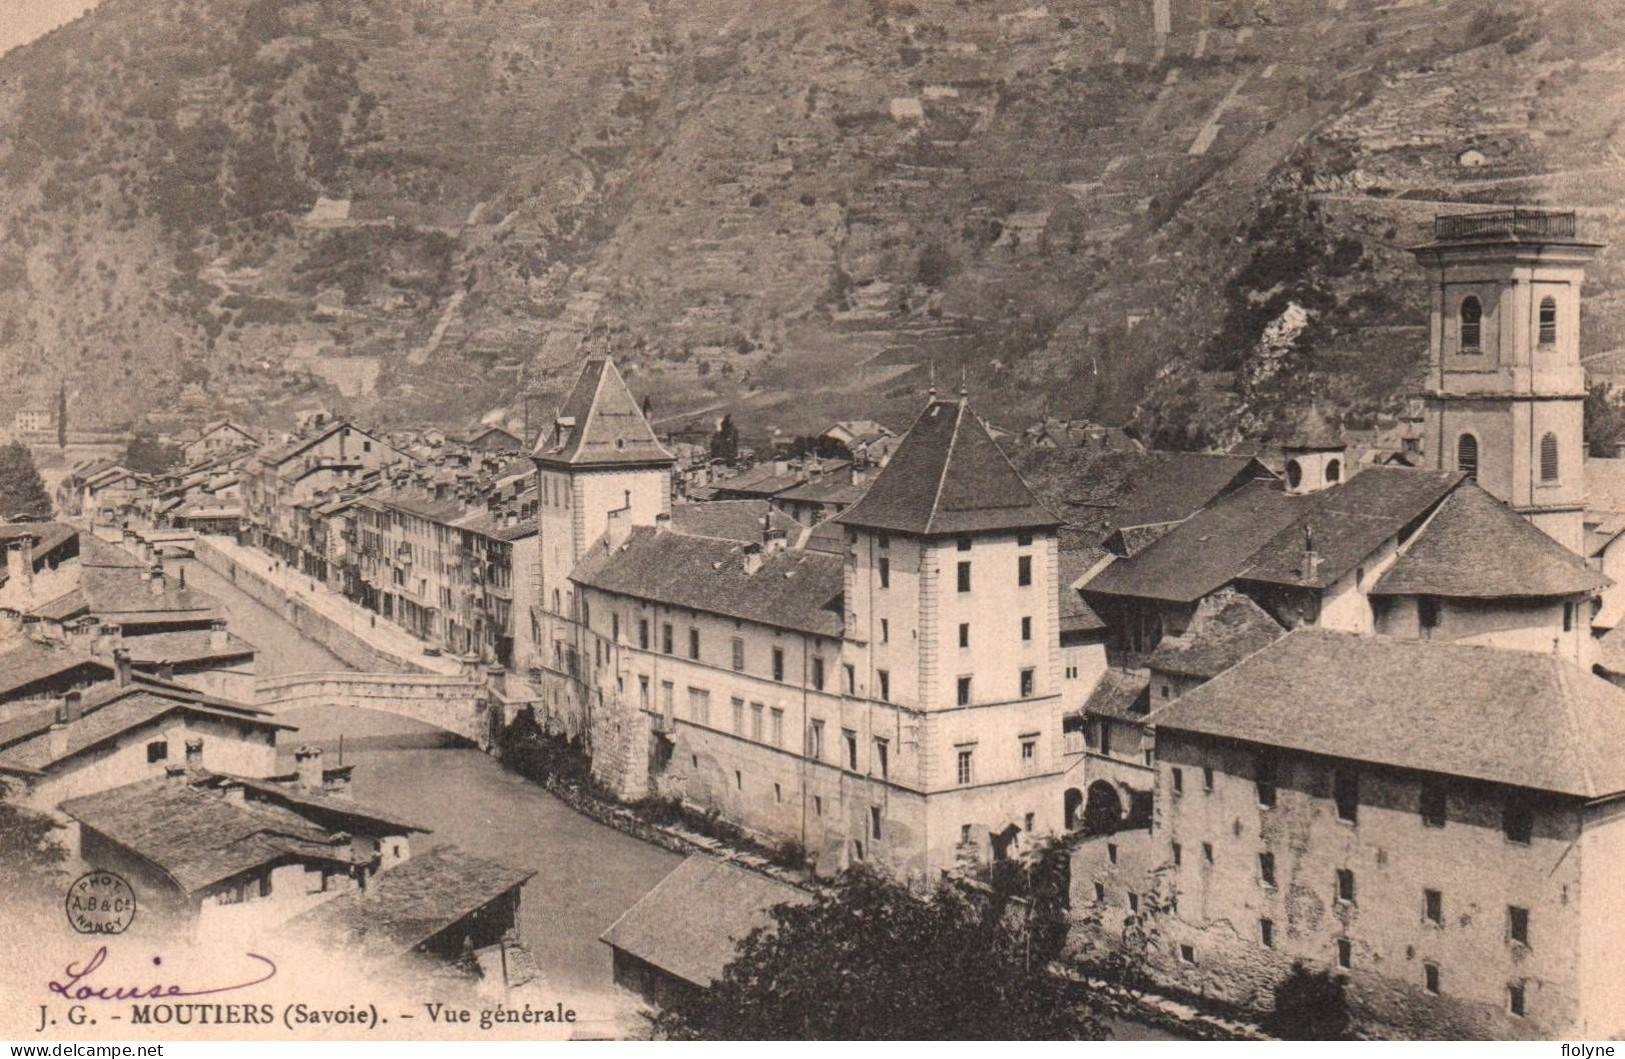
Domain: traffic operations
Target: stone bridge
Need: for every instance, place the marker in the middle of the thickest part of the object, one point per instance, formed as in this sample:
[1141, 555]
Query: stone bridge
[472, 707]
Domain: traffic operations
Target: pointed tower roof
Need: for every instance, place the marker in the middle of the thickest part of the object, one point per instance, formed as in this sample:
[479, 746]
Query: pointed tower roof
[948, 475]
[1311, 431]
[600, 424]
[1475, 547]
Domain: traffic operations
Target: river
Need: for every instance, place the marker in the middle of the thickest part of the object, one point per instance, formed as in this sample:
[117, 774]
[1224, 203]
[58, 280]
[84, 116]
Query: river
[586, 874]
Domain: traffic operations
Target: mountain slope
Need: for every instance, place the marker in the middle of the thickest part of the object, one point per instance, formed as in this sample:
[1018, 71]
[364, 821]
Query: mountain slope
[418, 210]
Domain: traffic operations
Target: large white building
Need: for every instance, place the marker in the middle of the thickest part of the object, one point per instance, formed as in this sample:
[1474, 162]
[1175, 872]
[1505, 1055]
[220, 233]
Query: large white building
[894, 700]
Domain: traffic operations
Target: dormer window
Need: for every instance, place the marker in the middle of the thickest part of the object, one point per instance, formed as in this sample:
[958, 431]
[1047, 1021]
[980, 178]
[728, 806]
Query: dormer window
[1472, 316]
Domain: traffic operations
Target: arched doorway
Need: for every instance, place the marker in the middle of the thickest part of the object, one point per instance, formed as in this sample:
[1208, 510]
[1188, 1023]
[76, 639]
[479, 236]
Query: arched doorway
[1103, 812]
[1073, 802]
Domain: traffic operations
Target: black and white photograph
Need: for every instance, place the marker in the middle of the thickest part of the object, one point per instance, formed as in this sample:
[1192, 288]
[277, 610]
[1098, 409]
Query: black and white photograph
[812, 520]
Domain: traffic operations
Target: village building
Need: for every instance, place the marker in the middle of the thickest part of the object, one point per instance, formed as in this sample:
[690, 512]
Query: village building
[213, 855]
[680, 936]
[896, 702]
[220, 436]
[130, 729]
[1456, 878]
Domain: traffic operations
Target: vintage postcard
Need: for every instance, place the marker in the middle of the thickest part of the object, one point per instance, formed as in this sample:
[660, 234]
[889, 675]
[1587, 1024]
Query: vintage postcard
[845, 519]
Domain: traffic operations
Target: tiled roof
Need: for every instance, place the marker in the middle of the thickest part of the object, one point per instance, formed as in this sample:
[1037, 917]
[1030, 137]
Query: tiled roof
[1475, 547]
[1205, 552]
[734, 520]
[1510, 717]
[197, 837]
[1227, 627]
[93, 551]
[792, 590]
[1120, 695]
[690, 924]
[763, 480]
[124, 595]
[409, 904]
[1348, 522]
[48, 536]
[601, 423]
[27, 662]
[949, 476]
[832, 488]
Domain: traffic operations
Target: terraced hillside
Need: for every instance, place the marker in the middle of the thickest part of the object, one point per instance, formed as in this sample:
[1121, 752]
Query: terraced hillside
[420, 209]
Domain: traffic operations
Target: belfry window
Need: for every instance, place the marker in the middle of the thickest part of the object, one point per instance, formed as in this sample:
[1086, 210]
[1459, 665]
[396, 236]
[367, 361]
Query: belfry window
[1472, 317]
[1548, 321]
[1548, 458]
[1467, 456]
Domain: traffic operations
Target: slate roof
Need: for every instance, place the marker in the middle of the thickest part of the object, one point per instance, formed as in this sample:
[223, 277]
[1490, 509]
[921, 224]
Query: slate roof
[949, 476]
[108, 711]
[600, 423]
[27, 662]
[188, 645]
[794, 589]
[197, 837]
[126, 596]
[1143, 489]
[1121, 695]
[1076, 615]
[345, 810]
[48, 536]
[735, 520]
[1475, 547]
[1310, 431]
[1419, 704]
[1205, 552]
[1227, 627]
[93, 551]
[1348, 522]
[691, 922]
[409, 904]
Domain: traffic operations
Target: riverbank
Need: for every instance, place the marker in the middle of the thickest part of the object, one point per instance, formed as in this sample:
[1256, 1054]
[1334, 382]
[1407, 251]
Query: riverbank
[359, 637]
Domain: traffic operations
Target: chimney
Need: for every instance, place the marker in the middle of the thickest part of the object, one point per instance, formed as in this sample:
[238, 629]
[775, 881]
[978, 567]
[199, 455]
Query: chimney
[146, 551]
[234, 794]
[20, 564]
[155, 579]
[663, 522]
[217, 635]
[56, 737]
[307, 762]
[753, 559]
[73, 706]
[618, 529]
[166, 670]
[860, 475]
[129, 537]
[776, 541]
[121, 666]
[1311, 560]
[781, 466]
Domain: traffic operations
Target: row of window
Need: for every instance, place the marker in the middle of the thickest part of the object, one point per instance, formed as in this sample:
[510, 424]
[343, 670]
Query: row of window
[1024, 573]
[1470, 315]
[1432, 976]
[1467, 457]
[1517, 814]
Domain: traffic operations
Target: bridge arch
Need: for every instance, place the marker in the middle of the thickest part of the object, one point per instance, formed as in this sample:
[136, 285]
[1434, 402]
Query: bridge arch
[465, 706]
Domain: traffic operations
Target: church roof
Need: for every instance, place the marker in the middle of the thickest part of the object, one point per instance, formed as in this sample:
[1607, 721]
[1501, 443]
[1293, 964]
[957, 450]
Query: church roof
[600, 423]
[1475, 547]
[949, 476]
[1310, 431]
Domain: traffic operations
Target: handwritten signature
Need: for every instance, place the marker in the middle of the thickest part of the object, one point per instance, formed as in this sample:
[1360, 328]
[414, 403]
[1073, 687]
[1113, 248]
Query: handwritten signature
[76, 989]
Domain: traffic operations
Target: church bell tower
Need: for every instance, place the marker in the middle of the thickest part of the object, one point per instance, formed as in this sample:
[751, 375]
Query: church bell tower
[1505, 392]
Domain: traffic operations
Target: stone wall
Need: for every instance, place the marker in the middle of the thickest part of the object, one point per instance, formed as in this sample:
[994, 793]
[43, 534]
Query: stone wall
[344, 644]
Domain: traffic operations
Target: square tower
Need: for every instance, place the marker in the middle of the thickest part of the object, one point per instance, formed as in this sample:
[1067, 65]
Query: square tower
[1505, 393]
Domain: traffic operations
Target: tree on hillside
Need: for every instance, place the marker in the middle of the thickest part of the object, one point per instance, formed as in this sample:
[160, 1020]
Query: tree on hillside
[725, 442]
[148, 455]
[22, 491]
[1604, 420]
[871, 960]
[62, 415]
[31, 852]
